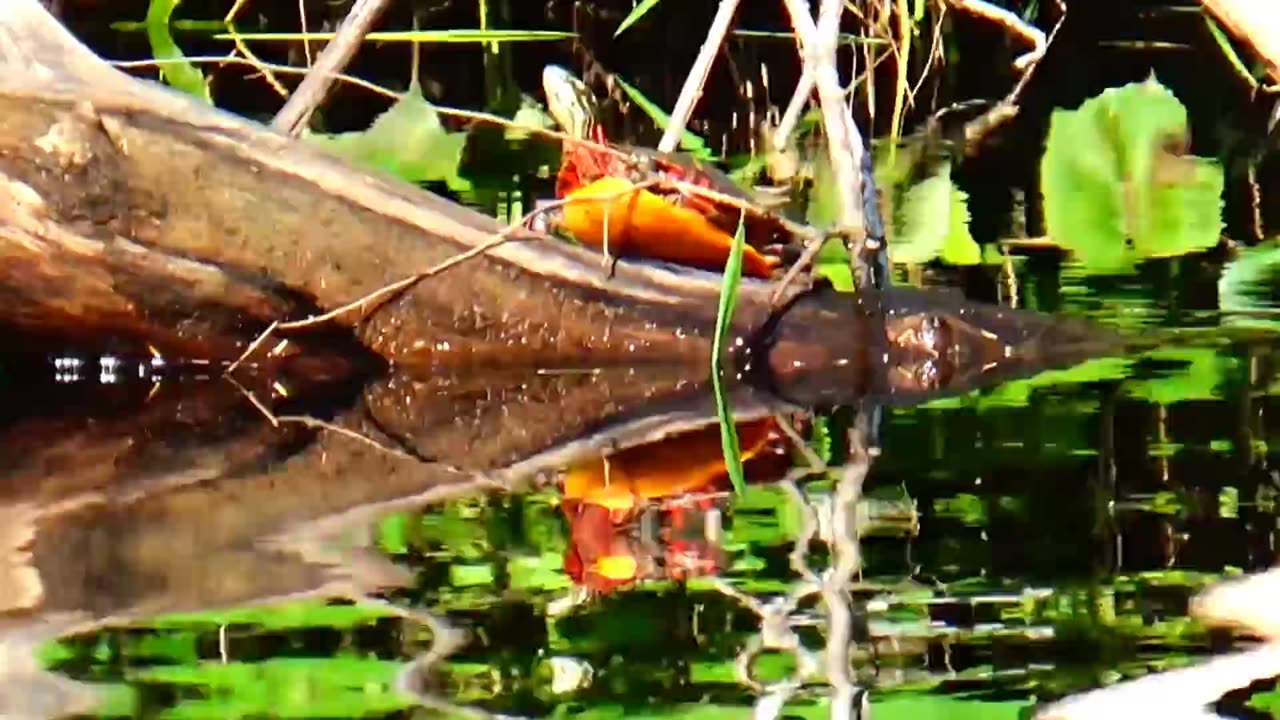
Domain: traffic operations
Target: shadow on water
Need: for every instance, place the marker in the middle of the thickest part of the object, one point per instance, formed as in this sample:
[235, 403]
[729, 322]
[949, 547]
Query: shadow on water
[545, 542]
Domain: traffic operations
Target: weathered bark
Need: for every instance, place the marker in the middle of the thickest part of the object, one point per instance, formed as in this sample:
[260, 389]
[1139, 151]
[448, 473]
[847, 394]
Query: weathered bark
[127, 207]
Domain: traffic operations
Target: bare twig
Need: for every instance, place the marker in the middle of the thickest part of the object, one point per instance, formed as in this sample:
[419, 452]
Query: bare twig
[799, 101]
[263, 66]
[1011, 22]
[387, 291]
[248, 54]
[844, 141]
[297, 110]
[697, 77]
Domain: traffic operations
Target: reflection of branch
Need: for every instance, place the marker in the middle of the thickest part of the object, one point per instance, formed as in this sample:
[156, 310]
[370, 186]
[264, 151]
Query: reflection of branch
[413, 680]
[777, 616]
[1187, 692]
[846, 560]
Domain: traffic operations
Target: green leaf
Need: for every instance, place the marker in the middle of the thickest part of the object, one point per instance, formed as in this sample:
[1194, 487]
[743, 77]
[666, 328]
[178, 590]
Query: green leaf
[175, 69]
[407, 141]
[1115, 188]
[414, 36]
[932, 223]
[832, 263]
[724, 314]
[689, 142]
[639, 11]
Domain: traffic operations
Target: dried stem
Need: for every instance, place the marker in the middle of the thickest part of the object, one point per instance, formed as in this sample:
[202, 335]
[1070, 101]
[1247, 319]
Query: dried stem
[304, 101]
[697, 77]
[1011, 22]
[387, 291]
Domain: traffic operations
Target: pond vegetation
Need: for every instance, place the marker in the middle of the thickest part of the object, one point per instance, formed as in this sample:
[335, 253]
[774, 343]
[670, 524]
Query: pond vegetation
[635, 544]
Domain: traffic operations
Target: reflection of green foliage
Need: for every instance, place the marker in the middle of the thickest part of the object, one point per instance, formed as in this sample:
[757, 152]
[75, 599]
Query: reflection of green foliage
[1268, 702]
[407, 141]
[1198, 373]
[1245, 285]
[289, 616]
[1200, 378]
[931, 222]
[542, 573]
[284, 687]
[968, 508]
[1116, 191]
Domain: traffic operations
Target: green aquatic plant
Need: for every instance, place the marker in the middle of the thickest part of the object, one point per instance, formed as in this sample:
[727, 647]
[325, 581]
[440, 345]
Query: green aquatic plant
[1117, 186]
[926, 215]
[724, 316]
[176, 70]
[408, 141]
[413, 36]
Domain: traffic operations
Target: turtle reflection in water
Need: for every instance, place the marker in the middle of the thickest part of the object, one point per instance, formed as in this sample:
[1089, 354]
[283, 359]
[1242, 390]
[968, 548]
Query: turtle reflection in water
[921, 354]
[653, 511]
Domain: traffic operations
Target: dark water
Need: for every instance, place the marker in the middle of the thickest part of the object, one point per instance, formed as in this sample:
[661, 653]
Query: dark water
[166, 552]
[1014, 546]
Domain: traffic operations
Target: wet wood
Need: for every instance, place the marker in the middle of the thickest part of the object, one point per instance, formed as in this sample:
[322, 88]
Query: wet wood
[127, 207]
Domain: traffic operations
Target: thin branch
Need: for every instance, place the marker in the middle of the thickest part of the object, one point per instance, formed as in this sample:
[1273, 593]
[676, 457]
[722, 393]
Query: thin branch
[697, 77]
[1011, 22]
[336, 55]
[387, 291]
[262, 66]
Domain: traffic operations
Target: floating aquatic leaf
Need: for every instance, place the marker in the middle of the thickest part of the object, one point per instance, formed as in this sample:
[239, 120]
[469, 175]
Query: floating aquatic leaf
[1116, 187]
[932, 223]
[176, 70]
[407, 141]
[530, 116]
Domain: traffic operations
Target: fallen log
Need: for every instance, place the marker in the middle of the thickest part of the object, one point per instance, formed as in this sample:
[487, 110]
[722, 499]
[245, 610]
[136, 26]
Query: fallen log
[128, 208]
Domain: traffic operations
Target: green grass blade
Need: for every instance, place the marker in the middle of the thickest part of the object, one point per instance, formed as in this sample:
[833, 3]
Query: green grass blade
[689, 141]
[724, 314]
[1229, 52]
[639, 11]
[422, 36]
[179, 73]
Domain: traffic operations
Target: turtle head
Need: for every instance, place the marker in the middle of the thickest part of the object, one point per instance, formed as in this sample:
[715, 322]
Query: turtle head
[571, 103]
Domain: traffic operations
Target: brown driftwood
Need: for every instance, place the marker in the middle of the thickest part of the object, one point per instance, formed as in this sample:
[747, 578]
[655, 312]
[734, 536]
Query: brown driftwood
[127, 207]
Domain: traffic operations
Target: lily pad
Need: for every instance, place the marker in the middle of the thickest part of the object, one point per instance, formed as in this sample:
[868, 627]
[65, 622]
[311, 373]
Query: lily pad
[1117, 187]
[932, 223]
[408, 141]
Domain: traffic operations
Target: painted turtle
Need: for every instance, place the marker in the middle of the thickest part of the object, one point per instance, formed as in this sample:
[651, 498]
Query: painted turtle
[647, 216]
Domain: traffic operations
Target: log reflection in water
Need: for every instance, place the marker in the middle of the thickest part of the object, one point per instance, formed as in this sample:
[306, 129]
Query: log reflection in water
[195, 501]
